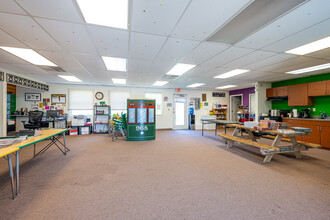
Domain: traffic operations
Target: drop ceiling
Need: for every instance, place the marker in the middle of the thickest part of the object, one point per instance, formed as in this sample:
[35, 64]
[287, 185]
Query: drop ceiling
[162, 33]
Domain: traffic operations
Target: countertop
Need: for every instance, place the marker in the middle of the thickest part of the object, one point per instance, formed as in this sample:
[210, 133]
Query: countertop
[309, 119]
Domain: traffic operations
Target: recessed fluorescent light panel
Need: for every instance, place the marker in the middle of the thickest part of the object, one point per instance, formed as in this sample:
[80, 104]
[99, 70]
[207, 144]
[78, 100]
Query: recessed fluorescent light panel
[231, 73]
[70, 78]
[226, 87]
[311, 47]
[118, 81]
[115, 64]
[310, 69]
[29, 55]
[160, 83]
[195, 85]
[180, 69]
[111, 13]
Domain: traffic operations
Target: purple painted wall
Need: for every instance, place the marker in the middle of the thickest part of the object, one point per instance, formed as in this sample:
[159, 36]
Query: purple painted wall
[246, 92]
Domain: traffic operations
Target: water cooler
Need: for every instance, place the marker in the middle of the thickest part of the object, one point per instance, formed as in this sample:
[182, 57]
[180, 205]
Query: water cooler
[191, 119]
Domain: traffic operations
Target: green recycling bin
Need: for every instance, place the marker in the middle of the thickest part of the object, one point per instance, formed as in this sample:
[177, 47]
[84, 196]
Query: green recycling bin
[141, 119]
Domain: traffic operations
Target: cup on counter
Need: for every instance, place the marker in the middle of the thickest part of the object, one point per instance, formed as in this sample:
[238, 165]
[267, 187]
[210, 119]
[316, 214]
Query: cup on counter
[289, 115]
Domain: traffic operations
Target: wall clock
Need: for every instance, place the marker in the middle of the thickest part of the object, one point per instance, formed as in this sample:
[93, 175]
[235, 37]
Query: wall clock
[99, 95]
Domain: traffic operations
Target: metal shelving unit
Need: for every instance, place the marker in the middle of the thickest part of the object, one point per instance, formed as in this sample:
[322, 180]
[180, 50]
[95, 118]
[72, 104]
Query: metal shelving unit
[102, 115]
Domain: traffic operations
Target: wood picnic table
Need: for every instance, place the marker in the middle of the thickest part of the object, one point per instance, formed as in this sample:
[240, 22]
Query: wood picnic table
[286, 135]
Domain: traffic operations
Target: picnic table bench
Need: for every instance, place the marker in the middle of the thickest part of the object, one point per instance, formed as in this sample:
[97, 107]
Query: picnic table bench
[269, 150]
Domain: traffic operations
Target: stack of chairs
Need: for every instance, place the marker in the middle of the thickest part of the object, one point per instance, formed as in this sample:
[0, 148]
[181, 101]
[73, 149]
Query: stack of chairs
[118, 126]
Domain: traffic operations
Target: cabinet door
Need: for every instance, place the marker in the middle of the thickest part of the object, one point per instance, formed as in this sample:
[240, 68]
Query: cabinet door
[328, 88]
[315, 136]
[270, 92]
[317, 88]
[282, 91]
[294, 123]
[325, 136]
[297, 95]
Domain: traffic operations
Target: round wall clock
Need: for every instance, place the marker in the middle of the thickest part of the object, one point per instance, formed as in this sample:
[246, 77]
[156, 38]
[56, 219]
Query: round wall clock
[99, 95]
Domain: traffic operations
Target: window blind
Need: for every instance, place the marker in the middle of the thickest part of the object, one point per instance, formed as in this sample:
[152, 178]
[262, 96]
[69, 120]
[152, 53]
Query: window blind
[81, 99]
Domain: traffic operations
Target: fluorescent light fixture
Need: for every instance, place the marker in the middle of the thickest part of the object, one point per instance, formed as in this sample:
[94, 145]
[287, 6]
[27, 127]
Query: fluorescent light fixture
[70, 78]
[195, 85]
[160, 83]
[311, 47]
[111, 13]
[115, 64]
[226, 87]
[231, 73]
[29, 55]
[180, 69]
[310, 69]
[118, 81]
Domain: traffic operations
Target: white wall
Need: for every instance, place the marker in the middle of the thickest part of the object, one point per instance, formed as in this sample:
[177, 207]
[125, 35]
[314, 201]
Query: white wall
[164, 121]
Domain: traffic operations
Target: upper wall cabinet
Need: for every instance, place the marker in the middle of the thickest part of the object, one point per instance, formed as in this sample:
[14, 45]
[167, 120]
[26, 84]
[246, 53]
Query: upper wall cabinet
[270, 92]
[276, 92]
[317, 88]
[298, 95]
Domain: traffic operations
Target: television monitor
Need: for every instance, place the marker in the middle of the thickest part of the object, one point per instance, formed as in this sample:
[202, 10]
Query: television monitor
[53, 113]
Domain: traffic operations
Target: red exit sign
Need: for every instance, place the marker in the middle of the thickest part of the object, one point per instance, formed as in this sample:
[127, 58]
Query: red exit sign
[177, 90]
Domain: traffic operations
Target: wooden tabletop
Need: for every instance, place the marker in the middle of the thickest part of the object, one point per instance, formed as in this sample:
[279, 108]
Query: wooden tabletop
[270, 131]
[8, 150]
[43, 135]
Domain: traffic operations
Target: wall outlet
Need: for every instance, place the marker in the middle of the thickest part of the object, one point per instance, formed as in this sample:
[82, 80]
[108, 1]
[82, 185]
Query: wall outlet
[314, 109]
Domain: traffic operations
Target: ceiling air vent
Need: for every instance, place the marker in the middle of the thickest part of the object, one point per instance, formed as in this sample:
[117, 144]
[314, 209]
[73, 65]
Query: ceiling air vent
[52, 68]
[169, 77]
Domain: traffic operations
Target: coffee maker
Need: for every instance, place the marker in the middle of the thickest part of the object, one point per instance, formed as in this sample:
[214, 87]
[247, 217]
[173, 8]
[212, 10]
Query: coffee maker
[306, 113]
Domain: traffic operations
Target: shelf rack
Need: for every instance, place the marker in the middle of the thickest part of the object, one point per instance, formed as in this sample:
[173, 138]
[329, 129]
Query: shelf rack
[102, 115]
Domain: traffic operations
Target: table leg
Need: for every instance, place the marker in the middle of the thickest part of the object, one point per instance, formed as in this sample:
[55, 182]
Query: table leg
[34, 150]
[225, 129]
[17, 173]
[202, 128]
[11, 174]
[297, 148]
[277, 140]
[215, 132]
[236, 131]
[268, 158]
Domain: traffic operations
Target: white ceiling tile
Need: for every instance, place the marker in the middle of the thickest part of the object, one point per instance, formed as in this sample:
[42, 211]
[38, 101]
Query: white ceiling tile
[203, 52]
[249, 59]
[90, 62]
[72, 37]
[161, 67]
[202, 18]
[156, 16]
[29, 68]
[199, 71]
[145, 47]
[9, 58]
[138, 66]
[320, 54]
[27, 31]
[11, 7]
[269, 61]
[284, 66]
[316, 32]
[311, 13]
[11, 67]
[227, 56]
[108, 41]
[9, 41]
[175, 49]
[63, 10]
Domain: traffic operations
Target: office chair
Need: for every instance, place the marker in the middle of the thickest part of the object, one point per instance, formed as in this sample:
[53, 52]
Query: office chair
[35, 118]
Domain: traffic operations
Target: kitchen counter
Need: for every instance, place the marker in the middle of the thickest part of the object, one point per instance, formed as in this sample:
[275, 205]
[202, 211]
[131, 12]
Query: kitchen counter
[309, 119]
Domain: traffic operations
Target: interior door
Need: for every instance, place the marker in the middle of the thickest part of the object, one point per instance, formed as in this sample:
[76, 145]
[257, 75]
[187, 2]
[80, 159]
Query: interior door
[235, 102]
[180, 112]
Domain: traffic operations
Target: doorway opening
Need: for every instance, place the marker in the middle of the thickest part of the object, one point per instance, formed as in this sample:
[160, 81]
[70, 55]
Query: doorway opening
[180, 112]
[235, 101]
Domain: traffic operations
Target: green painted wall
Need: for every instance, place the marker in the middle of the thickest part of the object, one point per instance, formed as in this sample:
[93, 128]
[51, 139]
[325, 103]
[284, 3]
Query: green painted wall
[321, 103]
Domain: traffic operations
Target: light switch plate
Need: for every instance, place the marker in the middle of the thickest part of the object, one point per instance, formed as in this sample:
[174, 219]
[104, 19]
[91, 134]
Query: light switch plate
[314, 110]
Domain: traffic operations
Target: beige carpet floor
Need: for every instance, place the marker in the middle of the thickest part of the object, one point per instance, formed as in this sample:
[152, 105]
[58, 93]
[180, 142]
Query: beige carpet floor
[181, 175]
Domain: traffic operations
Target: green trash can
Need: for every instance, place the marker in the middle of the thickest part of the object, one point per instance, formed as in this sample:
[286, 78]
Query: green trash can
[141, 119]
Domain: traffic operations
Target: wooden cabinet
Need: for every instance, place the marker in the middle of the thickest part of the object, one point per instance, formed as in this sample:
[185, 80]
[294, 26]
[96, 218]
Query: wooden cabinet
[320, 131]
[270, 92]
[325, 136]
[317, 88]
[328, 87]
[282, 91]
[298, 95]
[275, 92]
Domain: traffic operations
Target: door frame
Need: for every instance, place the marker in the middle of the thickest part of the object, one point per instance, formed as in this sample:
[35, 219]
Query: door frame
[185, 126]
[230, 105]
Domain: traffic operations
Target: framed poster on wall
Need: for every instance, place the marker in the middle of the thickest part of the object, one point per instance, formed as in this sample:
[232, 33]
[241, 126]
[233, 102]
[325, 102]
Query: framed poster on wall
[58, 98]
[33, 97]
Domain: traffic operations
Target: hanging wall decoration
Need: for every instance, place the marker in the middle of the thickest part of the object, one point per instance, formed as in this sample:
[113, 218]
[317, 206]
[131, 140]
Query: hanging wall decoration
[2, 76]
[20, 81]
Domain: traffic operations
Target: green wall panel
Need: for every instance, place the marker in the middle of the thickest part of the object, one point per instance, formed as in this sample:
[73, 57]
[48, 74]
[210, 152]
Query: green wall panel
[321, 103]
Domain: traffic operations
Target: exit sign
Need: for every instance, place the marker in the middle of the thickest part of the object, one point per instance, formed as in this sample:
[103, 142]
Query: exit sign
[177, 90]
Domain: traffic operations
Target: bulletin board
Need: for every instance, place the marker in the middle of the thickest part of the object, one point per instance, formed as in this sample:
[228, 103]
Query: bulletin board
[58, 99]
